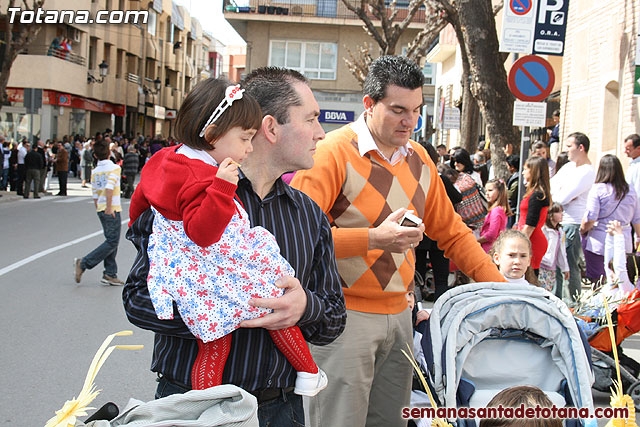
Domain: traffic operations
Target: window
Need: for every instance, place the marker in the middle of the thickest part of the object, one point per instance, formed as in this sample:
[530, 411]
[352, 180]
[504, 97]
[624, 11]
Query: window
[429, 72]
[151, 23]
[93, 45]
[169, 31]
[314, 60]
[119, 61]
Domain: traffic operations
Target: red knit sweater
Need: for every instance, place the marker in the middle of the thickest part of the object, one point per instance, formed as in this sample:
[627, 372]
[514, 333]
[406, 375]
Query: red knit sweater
[187, 190]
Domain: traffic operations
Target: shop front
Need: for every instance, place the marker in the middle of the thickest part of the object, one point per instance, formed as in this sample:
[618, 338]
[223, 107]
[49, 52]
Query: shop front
[61, 114]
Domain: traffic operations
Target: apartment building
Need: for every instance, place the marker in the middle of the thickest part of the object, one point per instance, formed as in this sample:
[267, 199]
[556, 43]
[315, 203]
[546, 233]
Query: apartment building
[129, 77]
[314, 37]
[599, 72]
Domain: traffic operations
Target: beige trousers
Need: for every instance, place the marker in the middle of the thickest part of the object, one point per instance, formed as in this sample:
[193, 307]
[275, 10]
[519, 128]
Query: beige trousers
[369, 377]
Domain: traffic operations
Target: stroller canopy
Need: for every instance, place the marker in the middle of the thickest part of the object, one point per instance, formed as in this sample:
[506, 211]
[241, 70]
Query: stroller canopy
[485, 337]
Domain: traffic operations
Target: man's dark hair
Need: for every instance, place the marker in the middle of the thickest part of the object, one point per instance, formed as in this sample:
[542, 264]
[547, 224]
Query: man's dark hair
[197, 107]
[635, 138]
[581, 139]
[273, 88]
[101, 149]
[538, 145]
[556, 113]
[442, 146]
[513, 160]
[391, 70]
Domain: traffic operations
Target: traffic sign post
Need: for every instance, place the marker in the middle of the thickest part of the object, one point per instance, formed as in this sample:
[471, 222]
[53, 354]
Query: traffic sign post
[525, 142]
[531, 80]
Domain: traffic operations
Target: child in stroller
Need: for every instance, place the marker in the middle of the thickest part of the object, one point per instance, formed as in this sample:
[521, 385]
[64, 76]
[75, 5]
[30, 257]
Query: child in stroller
[485, 337]
[623, 299]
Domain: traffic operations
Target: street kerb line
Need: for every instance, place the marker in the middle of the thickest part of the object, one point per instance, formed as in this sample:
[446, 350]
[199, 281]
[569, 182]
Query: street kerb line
[46, 252]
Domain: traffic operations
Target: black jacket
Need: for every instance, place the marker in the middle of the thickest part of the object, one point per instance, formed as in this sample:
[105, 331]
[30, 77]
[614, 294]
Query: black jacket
[33, 160]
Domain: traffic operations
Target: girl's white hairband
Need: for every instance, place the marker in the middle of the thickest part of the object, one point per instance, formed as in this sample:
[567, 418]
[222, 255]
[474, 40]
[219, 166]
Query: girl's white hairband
[231, 93]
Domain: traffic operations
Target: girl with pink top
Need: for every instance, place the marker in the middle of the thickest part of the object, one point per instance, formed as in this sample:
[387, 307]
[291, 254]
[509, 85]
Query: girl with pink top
[496, 220]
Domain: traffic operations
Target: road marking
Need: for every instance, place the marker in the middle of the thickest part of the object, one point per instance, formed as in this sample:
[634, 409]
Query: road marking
[74, 199]
[46, 252]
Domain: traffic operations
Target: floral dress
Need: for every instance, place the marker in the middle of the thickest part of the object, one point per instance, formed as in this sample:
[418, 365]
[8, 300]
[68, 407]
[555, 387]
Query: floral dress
[211, 286]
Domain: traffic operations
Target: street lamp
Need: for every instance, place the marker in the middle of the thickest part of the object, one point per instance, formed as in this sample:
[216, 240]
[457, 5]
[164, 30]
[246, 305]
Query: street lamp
[157, 85]
[104, 70]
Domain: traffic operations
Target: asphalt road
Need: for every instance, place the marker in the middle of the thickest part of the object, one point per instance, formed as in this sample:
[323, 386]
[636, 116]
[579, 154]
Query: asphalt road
[54, 326]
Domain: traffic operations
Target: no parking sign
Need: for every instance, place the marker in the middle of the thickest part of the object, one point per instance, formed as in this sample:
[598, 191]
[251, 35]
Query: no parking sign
[531, 78]
[520, 7]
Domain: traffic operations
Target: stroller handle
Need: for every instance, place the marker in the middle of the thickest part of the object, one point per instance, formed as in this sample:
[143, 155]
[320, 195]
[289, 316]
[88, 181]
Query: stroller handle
[108, 411]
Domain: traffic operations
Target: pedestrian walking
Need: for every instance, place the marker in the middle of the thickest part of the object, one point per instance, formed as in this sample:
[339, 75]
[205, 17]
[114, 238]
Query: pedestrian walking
[105, 185]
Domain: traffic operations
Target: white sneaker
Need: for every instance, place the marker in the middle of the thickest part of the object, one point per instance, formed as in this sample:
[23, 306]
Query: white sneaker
[310, 384]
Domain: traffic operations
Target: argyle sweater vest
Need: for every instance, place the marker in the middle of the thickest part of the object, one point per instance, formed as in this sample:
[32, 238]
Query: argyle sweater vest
[365, 190]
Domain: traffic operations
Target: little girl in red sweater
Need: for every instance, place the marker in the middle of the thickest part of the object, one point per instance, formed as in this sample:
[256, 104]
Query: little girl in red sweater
[203, 253]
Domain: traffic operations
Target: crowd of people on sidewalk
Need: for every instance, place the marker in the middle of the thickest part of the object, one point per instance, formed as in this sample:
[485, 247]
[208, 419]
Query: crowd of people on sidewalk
[72, 156]
[566, 206]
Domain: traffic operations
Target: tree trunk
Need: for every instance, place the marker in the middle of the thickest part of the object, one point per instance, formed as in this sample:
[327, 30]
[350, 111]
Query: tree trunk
[470, 115]
[16, 38]
[489, 78]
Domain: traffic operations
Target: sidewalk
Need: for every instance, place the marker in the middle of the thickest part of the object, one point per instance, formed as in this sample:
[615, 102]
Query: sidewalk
[74, 188]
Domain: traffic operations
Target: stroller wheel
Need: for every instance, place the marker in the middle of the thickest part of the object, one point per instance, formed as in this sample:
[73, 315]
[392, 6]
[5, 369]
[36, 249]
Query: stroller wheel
[634, 392]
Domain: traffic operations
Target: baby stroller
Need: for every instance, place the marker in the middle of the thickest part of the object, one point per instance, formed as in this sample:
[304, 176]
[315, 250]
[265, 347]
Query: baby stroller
[626, 321]
[485, 337]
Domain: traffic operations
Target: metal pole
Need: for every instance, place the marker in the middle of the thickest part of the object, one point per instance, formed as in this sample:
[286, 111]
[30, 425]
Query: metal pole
[525, 140]
[31, 113]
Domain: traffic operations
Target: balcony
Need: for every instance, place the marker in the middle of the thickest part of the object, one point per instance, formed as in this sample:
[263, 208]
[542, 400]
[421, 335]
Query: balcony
[289, 10]
[167, 98]
[443, 46]
[67, 75]
[43, 50]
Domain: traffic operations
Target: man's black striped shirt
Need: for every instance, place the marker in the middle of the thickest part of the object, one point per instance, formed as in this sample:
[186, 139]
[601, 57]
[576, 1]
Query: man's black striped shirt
[304, 235]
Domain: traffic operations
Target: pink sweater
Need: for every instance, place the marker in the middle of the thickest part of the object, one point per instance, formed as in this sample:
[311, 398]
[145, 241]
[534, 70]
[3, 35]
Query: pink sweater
[494, 223]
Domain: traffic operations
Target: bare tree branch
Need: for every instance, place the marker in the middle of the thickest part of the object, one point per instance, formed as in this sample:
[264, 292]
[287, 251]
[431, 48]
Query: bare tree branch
[358, 64]
[361, 13]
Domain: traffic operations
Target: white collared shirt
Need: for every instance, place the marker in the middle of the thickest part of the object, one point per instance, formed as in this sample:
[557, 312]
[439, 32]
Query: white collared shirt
[366, 143]
[197, 155]
[633, 174]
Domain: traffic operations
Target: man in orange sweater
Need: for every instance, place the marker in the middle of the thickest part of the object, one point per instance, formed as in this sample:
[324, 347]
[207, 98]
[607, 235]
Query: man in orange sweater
[366, 176]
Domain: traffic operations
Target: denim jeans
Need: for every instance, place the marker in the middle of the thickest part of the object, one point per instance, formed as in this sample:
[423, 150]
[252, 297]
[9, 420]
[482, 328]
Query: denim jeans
[574, 247]
[5, 179]
[285, 411]
[108, 249]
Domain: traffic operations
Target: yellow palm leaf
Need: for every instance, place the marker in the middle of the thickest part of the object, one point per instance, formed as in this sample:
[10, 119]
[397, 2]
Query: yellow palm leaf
[78, 407]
